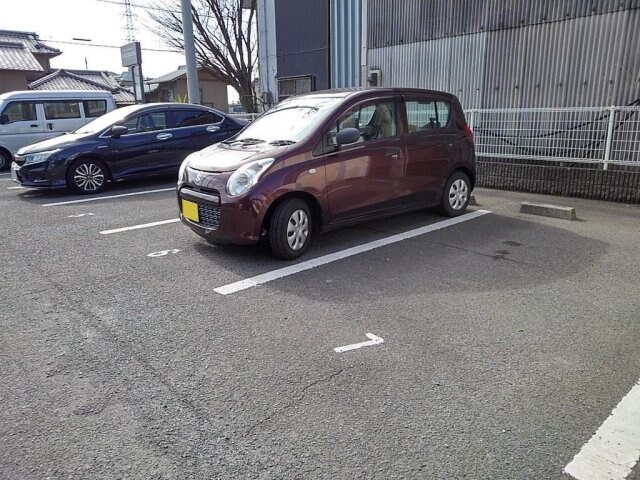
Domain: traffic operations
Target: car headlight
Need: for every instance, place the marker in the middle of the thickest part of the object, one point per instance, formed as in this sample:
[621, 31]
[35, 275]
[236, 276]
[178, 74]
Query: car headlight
[39, 157]
[247, 176]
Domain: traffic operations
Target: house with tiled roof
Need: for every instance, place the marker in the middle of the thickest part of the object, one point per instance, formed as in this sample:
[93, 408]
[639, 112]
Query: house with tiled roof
[64, 79]
[172, 87]
[23, 59]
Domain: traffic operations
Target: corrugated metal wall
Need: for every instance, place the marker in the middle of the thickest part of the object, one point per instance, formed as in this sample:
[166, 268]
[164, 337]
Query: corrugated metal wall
[345, 42]
[302, 39]
[510, 53]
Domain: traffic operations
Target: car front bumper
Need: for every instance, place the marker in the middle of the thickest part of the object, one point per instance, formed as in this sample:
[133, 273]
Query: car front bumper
[37, 175]
[220, 218]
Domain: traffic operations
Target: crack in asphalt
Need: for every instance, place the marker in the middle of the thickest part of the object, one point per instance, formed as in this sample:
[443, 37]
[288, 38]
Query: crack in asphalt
[294, 401]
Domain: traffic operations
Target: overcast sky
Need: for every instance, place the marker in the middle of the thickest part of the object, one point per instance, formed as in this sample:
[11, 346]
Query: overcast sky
[100, 21]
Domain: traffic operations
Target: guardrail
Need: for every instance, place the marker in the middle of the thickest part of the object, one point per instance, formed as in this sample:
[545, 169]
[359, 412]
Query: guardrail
[606, 135]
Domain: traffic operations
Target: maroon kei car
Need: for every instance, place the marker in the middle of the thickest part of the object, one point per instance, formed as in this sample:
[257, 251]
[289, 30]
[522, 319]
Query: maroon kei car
[329, 159]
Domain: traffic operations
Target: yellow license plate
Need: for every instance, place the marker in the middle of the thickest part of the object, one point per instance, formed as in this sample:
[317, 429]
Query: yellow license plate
[190, 210]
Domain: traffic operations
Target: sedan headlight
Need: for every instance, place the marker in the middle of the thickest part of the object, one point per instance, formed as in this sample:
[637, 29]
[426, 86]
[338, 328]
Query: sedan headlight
[247, 176]
[38, 157]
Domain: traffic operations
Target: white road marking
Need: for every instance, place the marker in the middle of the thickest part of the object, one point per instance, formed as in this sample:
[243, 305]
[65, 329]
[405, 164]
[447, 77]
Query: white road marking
[16, 188]
[137, 227]
[3, 174]
[6, 179]
[95, 199]
[373, 340]
[162, 253]
[80, 215]
[615, 448]
[332, 257]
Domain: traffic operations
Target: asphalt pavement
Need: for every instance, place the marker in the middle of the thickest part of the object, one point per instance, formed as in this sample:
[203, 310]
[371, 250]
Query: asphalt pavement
[507, 341]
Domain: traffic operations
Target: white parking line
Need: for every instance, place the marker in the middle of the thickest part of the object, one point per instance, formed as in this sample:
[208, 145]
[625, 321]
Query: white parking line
[332, 257]
[615, 448]
[16, 188]
[4, 174]
[95, 199]
[138, 227]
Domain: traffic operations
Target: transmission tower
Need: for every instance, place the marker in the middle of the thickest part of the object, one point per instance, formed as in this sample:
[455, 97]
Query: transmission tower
[128, 28]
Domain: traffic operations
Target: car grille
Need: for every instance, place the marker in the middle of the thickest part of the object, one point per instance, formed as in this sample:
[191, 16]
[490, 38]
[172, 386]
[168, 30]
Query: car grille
[209, 216]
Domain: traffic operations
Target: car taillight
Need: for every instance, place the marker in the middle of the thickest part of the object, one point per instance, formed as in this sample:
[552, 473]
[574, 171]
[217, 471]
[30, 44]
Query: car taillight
[468, 132]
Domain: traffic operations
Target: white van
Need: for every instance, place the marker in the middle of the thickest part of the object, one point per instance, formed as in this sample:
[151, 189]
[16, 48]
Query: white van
[32, 116]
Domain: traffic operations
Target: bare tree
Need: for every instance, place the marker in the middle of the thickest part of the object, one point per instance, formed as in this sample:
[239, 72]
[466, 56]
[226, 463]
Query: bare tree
[225, 39]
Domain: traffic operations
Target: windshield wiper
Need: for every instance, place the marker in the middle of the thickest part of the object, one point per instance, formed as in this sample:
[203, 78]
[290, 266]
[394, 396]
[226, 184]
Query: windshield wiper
[282, 142]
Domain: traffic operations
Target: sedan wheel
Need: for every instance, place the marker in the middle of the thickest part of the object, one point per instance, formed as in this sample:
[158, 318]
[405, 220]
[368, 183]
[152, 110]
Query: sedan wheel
[290, 229]
[456, 194]
[5, 160]
[87, 176]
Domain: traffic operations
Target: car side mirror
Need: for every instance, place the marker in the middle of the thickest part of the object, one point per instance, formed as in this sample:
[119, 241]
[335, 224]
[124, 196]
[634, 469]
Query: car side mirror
[4, 119]
[118, 130]
[347, 136]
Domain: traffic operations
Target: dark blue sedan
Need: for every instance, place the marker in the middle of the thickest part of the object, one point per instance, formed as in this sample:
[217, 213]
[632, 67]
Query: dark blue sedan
[130, 142]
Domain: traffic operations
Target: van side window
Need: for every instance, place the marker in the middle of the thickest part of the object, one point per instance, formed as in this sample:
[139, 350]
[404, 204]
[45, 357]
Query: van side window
[427, 115]
[61, 110]
[94, 108]
[375, 120]
[20, 112]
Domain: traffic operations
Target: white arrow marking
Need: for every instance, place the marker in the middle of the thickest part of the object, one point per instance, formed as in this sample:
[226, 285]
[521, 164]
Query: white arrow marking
[374, 340]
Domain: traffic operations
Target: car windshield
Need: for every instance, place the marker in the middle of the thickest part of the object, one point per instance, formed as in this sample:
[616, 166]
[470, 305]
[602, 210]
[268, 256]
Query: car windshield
[290, 121]
[107, 120]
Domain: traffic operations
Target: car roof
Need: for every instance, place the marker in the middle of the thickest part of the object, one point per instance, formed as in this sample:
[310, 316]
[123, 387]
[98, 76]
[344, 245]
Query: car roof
[37, 94]
[366, 91]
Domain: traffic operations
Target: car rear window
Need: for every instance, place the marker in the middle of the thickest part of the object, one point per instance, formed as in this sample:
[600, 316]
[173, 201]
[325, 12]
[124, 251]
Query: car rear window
[94, 108]
[192, 118]
[427, 114]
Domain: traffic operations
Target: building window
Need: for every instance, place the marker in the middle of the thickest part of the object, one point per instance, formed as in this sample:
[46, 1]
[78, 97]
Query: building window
[290, 86]
[166, 95]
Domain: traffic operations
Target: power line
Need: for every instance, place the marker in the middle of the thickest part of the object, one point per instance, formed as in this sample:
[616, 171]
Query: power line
[110, 46]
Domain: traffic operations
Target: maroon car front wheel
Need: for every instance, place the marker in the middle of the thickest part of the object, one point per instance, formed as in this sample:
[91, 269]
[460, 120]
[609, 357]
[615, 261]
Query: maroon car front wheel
[290, 229]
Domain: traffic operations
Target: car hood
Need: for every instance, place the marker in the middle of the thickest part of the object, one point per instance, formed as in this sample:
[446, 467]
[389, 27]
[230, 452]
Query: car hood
[224, 158]
[62, 141]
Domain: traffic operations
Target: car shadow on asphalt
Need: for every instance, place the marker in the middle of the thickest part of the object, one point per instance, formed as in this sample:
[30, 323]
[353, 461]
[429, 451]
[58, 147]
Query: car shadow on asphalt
[493, 252]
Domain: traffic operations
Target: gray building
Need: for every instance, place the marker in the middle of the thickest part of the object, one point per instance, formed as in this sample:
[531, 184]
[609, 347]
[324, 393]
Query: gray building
[491, 54]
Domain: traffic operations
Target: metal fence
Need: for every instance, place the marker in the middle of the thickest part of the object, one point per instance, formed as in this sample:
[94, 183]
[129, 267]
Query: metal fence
[607, 135]
[246, 116]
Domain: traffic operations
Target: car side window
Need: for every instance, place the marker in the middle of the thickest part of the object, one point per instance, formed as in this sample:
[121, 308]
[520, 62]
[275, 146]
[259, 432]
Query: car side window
[61, 110]
[192, 118]
[19, 112]
[374, 120]
[427, 115]
[147, 122]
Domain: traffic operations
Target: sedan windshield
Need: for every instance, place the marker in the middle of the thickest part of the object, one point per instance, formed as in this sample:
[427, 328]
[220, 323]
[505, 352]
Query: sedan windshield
[288, 122]
[105, 121]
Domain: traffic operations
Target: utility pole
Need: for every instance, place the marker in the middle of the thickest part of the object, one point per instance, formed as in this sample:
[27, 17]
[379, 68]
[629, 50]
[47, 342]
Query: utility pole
[190, 53]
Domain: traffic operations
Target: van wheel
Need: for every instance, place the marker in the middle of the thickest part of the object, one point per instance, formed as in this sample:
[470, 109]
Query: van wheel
[87, 176]
[456, 195]
[290, 229]
[5, 160]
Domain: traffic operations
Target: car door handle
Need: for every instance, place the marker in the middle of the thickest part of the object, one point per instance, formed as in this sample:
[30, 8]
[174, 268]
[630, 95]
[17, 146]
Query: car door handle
[164, 136]
[213, 128]
[34, 125]
[395, 154]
